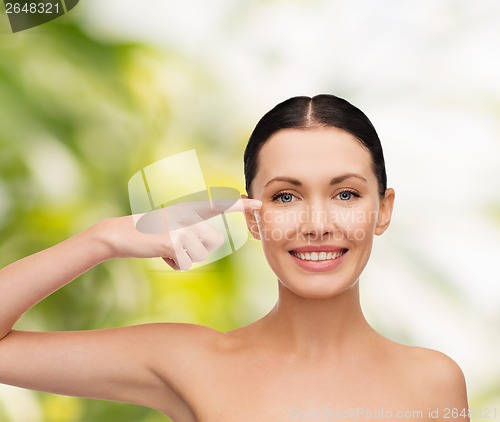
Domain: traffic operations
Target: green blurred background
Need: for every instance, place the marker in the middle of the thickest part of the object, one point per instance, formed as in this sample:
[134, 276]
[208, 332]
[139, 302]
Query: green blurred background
[89, 99]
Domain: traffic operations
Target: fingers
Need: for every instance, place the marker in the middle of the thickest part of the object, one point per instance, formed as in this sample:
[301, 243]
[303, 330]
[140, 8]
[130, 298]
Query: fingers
[182, 259]
[209, 236]
[193, 244]
[190, 237]
[171, 262]
[194, 247]
[189, 213]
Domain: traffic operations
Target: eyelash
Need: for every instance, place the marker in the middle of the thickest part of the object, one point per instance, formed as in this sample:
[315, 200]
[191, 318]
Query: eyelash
[352, 192]
[278, 195]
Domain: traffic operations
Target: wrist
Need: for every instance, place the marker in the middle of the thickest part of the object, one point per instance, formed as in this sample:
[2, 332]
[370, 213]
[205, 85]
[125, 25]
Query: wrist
[99, 238]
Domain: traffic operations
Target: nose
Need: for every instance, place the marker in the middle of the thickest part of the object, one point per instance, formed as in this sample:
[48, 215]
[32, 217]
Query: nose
[318, 221]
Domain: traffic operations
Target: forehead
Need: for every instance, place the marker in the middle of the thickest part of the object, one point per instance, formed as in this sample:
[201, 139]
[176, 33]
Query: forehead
[313, 154]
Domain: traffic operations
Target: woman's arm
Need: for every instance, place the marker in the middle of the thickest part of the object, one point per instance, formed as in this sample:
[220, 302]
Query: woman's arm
[106, 364]
[116, 364]
[29, 280]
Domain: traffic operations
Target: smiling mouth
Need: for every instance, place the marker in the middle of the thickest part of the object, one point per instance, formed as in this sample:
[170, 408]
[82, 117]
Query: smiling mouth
[319, 255]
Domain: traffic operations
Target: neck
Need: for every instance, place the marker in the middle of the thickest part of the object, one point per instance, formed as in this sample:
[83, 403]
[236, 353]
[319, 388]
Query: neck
[313, 327]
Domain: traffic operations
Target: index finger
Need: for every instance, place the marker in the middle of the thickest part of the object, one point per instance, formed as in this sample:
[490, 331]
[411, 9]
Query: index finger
[217, 200]
[209, 209]
[242, 205]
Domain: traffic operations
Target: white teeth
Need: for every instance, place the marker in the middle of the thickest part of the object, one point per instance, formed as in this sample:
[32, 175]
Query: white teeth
[315, 256]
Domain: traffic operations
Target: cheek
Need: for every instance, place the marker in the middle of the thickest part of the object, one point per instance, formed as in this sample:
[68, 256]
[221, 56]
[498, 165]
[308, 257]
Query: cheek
[356, 224]
[279, 224]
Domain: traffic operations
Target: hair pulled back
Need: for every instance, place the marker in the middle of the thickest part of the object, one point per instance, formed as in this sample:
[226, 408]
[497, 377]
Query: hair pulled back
[310, 112]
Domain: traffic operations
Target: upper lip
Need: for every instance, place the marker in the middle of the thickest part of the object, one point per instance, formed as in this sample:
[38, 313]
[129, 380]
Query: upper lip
[318, 248]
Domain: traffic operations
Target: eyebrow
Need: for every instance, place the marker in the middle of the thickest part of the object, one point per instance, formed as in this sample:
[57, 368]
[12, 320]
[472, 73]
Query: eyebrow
[334, 181]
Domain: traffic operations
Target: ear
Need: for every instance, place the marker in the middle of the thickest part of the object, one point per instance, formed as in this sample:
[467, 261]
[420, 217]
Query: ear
[385, 211]
[251, 221]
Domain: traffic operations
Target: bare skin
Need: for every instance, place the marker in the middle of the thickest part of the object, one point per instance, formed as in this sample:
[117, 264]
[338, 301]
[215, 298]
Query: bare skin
[312, 357]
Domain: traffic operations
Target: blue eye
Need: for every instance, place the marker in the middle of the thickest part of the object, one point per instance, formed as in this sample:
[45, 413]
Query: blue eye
[286, 197]
[283, 197]
[347, 195]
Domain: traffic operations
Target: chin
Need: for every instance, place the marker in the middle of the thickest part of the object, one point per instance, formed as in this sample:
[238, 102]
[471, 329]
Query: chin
[318, 287]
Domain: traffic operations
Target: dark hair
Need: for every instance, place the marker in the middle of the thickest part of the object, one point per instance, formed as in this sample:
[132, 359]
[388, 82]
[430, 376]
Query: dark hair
[306, 112]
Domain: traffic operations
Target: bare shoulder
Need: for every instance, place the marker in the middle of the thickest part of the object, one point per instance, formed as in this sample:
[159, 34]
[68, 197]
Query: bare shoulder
[183, 338]
[182, 355]
[186, 331]
[445, 386]
[425, 363]
[183, 348]
[436, 377]
[441, 371]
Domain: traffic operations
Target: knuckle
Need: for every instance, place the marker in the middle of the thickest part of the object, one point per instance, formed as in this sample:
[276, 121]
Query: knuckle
[185, 265]
[166, 249]
[201, 256]
[219, 238]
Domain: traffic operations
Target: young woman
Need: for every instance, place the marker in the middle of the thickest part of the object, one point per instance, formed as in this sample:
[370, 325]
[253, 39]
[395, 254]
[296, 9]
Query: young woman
[317, 195]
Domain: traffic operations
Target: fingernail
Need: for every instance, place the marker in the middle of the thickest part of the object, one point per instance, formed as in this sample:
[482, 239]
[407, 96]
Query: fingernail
[255, 203]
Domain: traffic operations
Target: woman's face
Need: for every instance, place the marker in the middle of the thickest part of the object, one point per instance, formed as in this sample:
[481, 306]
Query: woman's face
[320, 209]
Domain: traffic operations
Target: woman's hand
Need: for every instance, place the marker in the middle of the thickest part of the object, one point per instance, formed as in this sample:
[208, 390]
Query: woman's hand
[180, 234]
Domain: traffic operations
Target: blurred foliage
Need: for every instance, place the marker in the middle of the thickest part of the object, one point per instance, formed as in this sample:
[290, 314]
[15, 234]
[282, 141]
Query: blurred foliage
[78, 117]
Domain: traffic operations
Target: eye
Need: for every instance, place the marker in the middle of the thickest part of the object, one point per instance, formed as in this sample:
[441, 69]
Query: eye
[347, 195]
[284, 197]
